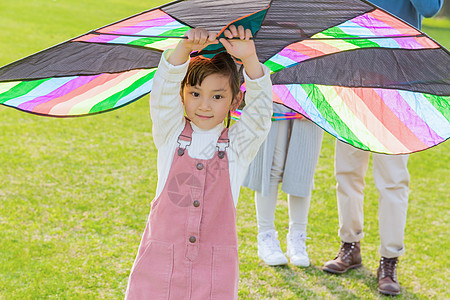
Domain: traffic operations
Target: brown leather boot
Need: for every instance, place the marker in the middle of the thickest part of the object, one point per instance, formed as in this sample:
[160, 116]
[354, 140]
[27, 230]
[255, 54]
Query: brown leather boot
[349, 257]
[387, 276]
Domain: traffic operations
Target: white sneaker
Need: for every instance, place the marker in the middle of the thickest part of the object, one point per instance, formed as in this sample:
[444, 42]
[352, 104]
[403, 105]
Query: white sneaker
[269, 249]
[296, 248]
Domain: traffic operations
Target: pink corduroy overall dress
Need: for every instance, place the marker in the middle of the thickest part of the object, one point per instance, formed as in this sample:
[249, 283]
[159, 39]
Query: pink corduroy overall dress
[189, 246]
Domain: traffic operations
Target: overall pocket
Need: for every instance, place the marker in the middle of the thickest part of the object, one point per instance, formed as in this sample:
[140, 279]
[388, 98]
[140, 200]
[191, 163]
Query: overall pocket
[150, 277]
[225, 272]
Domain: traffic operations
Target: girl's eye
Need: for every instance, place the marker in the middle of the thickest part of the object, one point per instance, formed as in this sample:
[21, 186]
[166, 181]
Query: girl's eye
[217, 97]
[195, 94]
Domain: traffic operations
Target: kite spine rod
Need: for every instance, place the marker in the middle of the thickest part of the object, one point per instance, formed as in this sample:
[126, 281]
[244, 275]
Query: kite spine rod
[270, 38]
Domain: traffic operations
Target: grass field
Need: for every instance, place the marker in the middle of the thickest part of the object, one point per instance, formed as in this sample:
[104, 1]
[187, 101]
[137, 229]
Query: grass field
[75, 193]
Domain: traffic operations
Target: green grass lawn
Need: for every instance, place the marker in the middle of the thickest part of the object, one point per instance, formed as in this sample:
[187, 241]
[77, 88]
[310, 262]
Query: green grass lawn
[75, 193]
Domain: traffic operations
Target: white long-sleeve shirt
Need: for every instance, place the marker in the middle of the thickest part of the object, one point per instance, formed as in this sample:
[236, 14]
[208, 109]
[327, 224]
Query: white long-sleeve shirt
[246, 136]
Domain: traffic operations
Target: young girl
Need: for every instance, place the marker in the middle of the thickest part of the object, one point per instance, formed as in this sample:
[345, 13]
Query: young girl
[189, 247]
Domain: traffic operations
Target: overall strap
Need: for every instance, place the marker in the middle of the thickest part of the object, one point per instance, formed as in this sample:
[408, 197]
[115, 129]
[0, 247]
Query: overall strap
[185, 138]
[223, 143]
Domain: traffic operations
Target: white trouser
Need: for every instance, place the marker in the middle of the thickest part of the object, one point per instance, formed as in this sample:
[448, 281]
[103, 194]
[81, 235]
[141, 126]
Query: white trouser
[266, 205]
[391, 178]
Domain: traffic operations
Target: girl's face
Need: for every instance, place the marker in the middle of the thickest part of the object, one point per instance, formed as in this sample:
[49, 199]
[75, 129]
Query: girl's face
[207, 105]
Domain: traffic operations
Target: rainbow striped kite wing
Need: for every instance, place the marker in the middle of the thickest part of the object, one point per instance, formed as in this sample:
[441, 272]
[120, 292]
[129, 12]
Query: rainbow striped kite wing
[77, 95]
[367, 81]
[135, 31]
[379, 120]
[375, 29]
[86, 75]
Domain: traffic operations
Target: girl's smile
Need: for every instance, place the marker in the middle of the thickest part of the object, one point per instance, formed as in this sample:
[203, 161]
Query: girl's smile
[204, 117]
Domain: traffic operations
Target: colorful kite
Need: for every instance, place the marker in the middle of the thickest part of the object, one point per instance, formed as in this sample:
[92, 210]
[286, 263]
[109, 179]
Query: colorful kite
[361, 74]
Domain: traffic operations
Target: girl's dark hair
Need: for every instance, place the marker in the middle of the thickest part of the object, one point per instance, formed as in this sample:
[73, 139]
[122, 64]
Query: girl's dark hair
[200, 67]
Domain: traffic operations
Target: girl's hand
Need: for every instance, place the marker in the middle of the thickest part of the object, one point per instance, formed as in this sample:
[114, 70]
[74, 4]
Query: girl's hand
[241, 48]
[196, 39]
[244, 49]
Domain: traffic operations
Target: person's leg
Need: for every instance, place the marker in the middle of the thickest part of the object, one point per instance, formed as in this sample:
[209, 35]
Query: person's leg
[391, 178]
[298, 220]
[269, 249]
[265, 208]
[350, 168]
[268, 244]
[298, 212]
[298, 182]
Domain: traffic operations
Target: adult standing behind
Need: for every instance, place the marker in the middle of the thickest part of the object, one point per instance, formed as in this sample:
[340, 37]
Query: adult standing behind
[391, 178]
[289, 155]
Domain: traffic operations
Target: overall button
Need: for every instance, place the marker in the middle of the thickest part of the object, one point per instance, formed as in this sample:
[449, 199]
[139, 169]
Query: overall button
[196, 203]
[180, 151]
[192, 239]
[199, 166]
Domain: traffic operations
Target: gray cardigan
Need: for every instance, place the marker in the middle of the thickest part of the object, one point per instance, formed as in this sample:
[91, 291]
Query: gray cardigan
[301, 160]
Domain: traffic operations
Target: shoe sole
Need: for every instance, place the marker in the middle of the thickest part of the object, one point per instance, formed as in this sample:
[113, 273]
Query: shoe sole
[388, 292]
[304, 263]
[343, 271]
[301, 265]
[274, 263]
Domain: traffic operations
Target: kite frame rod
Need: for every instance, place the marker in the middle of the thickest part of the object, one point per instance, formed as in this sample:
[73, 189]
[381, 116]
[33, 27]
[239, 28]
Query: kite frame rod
[269, 38]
